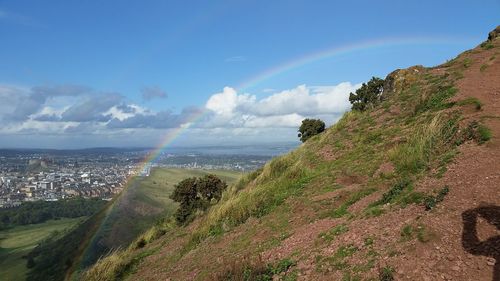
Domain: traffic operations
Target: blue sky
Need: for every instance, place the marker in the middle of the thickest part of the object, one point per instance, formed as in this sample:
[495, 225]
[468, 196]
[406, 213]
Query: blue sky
[161, 60]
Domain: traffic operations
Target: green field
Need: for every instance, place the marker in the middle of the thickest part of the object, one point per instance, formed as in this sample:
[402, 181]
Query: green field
[148, 198]
[156, 188]
[145, 201]
[19, 240]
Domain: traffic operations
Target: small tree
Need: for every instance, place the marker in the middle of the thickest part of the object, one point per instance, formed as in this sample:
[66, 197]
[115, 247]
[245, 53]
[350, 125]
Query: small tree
[368, 95]
[309, 128]
[196, 194]
[185, 191]
[186, 194]
[210, 187]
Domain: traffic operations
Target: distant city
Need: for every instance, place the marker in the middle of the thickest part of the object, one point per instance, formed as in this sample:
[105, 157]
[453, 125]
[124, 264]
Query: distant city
[51, 175]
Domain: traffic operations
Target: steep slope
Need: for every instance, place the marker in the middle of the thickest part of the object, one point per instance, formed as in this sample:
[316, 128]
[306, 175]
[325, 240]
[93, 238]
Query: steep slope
[407, 190]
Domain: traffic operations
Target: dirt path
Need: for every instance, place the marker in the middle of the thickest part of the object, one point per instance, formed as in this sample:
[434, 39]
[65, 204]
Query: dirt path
[472, 209]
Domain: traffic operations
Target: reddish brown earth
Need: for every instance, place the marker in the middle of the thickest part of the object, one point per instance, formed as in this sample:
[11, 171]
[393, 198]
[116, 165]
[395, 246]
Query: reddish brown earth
[474, 181]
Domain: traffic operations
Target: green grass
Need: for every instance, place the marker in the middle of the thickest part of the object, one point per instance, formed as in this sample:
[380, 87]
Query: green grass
[487, 45]
[483, 67]
[437, 100]
[395, 192]
[400, 193]
[386, 274]
[444, 160]
[407, 232]
[20, 240]
[257, 202]
[337, 260]
[368, 241]
[329, 235]
[431, 201]
[156, 188]
[353, 198]
[484, 134]
[475, 131]
[374, 211]
[426, 142]
[467, 62]
[474, 101]
[255, 269]
[423, 235]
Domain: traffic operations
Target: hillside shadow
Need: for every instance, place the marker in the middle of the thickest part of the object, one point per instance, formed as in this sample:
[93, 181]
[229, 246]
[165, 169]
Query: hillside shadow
[470, 241]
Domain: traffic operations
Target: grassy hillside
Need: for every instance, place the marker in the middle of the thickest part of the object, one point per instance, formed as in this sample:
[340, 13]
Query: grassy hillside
[146, 201]
[383, 194]
[18, 241]
[141, 205]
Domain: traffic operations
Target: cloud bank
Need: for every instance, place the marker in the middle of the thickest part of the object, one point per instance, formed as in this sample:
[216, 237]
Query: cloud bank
[70, 111]
[282, 109]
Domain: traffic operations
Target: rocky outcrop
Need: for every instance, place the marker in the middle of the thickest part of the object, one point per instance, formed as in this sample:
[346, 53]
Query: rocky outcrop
[399, 79]
[494, 33]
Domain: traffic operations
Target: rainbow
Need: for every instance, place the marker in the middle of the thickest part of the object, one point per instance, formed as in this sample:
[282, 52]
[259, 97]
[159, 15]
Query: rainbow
[337, 51]
[265, 75]
[101, 218]
[170, 137]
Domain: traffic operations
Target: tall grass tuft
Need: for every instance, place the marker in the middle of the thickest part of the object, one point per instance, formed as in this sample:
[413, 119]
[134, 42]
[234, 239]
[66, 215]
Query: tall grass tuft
[110, 268]
[424, 144]
[281, 178]
[117, 264]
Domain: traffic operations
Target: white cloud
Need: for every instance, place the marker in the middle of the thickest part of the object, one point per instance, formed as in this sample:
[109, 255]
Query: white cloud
[283, 109]
[307, 100]
[226, 102]
[48, 110]
[226, 108]
[276, 121]
[122, 112]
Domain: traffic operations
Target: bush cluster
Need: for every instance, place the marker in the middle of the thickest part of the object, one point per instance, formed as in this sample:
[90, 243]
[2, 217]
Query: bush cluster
[41, 211]
[368, 95]
[309, 128]
[196, 194]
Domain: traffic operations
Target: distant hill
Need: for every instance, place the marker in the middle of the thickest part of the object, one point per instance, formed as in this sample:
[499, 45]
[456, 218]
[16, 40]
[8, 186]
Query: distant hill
[407, 190]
